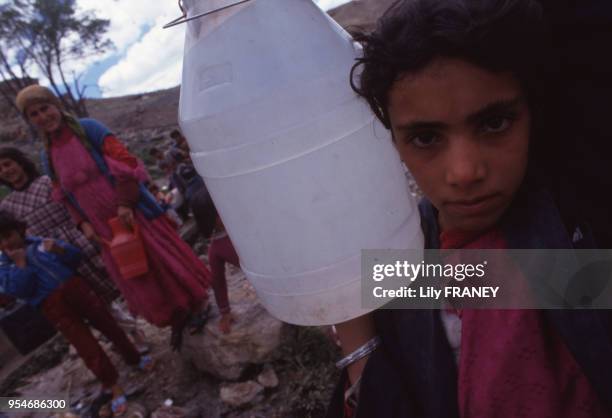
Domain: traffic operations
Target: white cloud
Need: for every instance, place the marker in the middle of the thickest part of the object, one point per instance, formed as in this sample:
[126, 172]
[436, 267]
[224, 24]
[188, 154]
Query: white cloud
[153, 61]
[128, 21]
[128, 18]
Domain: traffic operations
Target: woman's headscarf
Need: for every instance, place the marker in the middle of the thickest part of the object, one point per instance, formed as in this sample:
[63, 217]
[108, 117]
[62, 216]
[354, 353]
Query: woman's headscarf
[35, 94]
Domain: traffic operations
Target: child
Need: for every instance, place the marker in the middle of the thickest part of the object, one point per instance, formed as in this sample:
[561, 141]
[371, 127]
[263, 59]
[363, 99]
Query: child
[220, 251]
[465, 87]
[42, 272]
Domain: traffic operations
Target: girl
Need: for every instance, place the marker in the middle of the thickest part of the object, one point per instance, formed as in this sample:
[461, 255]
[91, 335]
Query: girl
[466, 88]
[97, 179]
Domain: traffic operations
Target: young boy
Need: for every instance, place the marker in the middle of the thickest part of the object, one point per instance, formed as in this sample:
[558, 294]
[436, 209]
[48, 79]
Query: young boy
[465, 88]
[42, 272]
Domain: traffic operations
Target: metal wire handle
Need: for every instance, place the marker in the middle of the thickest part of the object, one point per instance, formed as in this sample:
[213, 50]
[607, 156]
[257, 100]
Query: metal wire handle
[184, 17]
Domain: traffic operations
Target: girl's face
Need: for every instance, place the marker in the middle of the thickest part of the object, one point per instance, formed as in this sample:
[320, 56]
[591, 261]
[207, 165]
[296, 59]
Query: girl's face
[463, 132]
[12, 173]
[45, 116]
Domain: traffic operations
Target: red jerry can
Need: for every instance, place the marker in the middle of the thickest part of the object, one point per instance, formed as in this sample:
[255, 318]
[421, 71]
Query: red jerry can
[127, 250]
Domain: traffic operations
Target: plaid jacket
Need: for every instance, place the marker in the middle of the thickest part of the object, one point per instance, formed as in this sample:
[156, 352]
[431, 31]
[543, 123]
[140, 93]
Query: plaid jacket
[47, 218]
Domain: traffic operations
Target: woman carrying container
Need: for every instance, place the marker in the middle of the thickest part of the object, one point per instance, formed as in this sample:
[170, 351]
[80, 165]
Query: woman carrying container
[97, 179]
[466, 88]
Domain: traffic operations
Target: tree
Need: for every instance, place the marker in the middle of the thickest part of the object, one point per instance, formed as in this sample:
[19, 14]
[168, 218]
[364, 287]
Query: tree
[49, 35]
[12, 63]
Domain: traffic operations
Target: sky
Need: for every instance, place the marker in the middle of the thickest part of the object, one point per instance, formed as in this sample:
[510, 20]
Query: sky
[145, 56]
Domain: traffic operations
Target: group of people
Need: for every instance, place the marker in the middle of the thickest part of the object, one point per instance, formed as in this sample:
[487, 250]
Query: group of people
[180, 174]
[55, 234]
[473, 96]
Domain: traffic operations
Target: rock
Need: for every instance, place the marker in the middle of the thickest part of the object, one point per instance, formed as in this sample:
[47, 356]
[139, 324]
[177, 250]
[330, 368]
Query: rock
[239, 394]
[169, 412]
[64, 415]
[254, 337]
[135, 410]
[268, 378]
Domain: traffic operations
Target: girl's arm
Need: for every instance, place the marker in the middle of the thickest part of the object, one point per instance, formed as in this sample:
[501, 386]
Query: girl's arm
[68, 254]
[354, 334]
[127, 185]
[128, 173]
[58, 195]
[113, 148]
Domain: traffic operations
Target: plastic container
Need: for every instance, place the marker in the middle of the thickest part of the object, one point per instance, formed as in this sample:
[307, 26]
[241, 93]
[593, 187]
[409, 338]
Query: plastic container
[127, 250]
[301, 173]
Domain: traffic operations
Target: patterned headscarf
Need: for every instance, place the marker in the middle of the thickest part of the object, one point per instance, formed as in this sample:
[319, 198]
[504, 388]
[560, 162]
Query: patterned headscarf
[35, 94]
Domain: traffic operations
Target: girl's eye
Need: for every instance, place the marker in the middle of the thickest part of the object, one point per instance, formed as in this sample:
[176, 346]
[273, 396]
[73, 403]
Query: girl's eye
[424, 139]
[496, 124]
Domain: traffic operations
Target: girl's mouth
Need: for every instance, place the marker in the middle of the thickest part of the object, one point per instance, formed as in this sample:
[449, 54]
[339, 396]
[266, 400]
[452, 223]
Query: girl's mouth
[476, 206]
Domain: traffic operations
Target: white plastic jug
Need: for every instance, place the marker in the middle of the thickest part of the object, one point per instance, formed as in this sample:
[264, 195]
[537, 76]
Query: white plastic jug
[302, 175]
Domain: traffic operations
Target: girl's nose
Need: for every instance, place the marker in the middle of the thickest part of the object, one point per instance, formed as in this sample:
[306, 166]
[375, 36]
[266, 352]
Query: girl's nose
[465, 163]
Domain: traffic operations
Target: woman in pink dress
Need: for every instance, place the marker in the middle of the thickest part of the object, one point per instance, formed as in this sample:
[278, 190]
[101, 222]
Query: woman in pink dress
[98, 179]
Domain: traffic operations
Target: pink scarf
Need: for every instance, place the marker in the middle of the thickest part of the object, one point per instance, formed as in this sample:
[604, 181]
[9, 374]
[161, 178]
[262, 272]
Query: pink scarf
[512, 363]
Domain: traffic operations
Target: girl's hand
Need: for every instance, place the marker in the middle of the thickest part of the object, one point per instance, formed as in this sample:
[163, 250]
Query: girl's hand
[48, 244]
[89, 232]
[126, 214]
[51, 246]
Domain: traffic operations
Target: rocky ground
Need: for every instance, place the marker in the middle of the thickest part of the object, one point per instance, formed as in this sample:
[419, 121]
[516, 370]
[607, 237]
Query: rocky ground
[263, 368]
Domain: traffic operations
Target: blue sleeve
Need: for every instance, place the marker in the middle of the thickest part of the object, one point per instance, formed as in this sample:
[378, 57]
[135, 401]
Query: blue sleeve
[71, 256]
[18, 282]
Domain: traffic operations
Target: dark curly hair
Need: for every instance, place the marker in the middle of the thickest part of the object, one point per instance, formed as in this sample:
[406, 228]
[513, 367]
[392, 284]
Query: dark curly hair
[20, 158]
[497, 35]
[9, 223]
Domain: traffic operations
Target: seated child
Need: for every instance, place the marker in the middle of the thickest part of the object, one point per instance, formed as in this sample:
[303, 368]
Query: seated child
[41, 271]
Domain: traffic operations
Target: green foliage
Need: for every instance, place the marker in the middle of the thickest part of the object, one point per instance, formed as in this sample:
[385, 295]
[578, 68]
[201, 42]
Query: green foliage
[309, 363]
[48, 35]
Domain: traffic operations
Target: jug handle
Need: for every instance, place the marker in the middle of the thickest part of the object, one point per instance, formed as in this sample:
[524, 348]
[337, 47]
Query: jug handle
[184, 17]
[136, 229]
